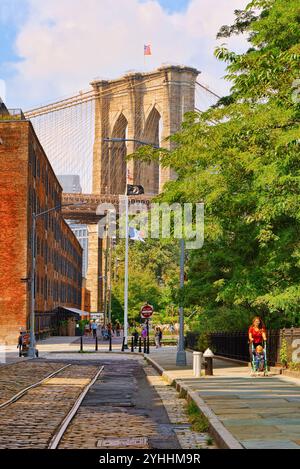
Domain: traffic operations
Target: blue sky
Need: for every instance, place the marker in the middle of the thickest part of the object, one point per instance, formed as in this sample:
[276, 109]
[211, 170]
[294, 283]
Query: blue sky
[174, 5]
[52, 48]
[13, 14]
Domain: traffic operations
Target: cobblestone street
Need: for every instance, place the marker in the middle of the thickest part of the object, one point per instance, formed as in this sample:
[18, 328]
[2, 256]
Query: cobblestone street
[30, 421]
[15, 377]
[129, 406]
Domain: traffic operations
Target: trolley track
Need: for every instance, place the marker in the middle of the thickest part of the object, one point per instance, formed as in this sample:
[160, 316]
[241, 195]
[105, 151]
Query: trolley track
[67, 420]
[69, 408]
[15, 377]
[21, 393]
[38, 415]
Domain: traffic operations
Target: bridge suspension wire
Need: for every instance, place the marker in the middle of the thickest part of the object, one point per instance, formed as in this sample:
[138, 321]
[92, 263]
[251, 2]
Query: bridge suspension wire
[66, 129]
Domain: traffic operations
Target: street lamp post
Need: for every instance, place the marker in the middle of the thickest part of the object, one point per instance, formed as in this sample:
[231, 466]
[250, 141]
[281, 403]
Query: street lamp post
[32, 350]
[181, 354]
[118, 140]
[126, 273]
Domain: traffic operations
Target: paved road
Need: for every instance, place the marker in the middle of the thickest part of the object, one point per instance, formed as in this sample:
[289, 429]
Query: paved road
[30, 421]
[15, 377]
[129, 400]
[121, 405]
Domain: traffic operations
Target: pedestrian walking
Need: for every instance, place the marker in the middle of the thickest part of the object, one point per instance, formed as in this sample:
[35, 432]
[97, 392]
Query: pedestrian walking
[94, 329]
[20, 344]
[135, 336]
[87, 329]
[118, 328]
[256, 334]
[158, 337]
[144, 333]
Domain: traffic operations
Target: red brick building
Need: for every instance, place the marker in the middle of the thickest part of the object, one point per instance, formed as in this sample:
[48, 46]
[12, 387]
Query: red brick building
[28, 184]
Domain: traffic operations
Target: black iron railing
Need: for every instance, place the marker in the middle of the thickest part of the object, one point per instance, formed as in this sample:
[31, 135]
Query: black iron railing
[11, 114]
[235, 345]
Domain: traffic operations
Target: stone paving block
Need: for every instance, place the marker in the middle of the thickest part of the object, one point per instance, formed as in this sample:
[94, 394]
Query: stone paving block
[218, 394]
[289, 428]
[274, 403]
[252, 430]
[283, 421]
[269, 444]
[240, 417]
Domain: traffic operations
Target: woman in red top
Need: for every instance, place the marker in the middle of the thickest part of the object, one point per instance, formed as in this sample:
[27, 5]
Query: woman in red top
[257, 332]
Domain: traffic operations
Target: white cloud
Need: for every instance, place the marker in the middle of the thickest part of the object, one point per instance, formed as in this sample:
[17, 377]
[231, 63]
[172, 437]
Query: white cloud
[64, 44]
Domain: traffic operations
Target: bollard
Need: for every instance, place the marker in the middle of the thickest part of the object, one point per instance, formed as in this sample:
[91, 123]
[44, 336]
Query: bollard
[132, 344]
[197, 359]
[96, 344]
[123, 343]
[81, 344]
[140, 344]
[110, 341]
[208, 355]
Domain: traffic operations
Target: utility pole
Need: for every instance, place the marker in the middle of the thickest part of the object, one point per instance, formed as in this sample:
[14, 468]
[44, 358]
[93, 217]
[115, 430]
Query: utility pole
[181, 354]
[110, 279]
[126, 201]
[105, 276]
[126, 270]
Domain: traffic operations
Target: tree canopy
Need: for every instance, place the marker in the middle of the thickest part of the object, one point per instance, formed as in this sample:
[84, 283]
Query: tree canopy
[241, 157]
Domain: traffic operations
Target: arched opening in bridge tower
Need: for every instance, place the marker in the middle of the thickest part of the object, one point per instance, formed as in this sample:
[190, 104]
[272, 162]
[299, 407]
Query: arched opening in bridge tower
[147, 174]
[117, 160]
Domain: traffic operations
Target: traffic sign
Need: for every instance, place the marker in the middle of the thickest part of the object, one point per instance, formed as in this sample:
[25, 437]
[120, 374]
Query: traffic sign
[146, 311]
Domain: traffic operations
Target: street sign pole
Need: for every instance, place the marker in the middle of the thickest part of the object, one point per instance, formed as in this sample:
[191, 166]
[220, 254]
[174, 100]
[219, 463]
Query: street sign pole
[146, 313]
[147, 336]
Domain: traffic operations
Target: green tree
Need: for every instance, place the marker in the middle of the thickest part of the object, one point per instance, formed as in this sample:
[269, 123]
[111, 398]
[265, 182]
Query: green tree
[241, 158]
[153, 272]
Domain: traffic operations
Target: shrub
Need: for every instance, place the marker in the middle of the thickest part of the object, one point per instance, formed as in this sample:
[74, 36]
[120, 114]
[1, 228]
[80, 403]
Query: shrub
[283, 354]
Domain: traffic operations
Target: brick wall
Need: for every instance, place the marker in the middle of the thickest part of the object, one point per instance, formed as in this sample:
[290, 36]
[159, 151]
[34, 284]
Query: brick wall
[13, 229]
[28, 184]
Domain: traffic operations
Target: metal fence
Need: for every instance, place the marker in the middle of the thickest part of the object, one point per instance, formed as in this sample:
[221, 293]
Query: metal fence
[11, 114]
[235, 344]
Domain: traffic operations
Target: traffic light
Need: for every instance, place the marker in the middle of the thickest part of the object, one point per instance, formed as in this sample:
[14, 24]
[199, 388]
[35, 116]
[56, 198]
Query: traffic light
[134, 189]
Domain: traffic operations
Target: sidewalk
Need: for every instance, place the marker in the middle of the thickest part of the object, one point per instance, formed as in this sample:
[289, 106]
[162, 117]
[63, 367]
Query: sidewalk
[244, 411]
[58, 344]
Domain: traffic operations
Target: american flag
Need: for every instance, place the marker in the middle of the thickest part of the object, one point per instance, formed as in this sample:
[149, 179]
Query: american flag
[147, 49]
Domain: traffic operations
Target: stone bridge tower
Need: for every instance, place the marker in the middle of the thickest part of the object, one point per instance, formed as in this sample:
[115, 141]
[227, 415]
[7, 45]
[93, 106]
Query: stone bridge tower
[139, 106]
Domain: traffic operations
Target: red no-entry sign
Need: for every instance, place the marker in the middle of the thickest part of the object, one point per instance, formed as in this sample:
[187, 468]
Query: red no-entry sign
[146, 311]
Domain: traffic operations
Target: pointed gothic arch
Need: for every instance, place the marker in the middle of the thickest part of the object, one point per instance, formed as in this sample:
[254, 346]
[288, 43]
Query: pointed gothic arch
[117, 157]
[147, 174]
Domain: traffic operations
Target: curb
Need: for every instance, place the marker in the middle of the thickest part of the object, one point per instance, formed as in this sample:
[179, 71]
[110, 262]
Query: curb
[223, 438]
[24, 359]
